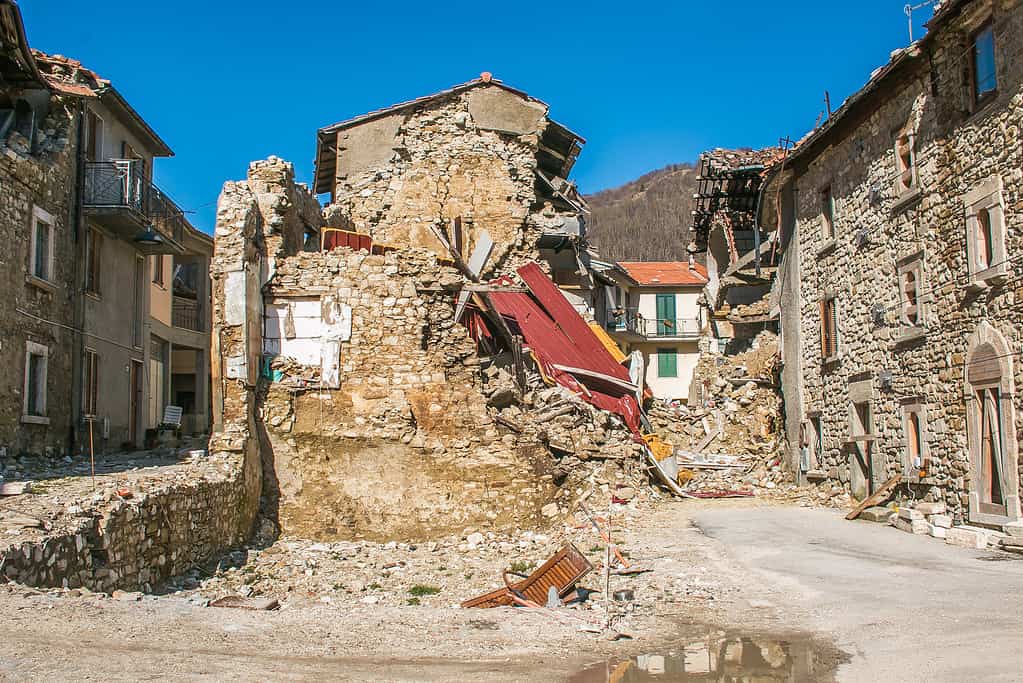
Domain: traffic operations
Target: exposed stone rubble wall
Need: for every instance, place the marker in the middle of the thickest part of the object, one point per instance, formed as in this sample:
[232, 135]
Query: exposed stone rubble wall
[956, 153]
[472, 154]
[382, 431]
[137, 543]
[39, 174]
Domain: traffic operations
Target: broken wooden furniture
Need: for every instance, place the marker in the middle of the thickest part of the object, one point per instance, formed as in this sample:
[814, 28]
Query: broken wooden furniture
[562, 572]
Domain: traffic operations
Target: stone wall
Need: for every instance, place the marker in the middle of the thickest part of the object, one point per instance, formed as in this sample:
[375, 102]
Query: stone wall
[877, 231]
[137, 543]
[471, 154]
[368, 415]
[39, 173]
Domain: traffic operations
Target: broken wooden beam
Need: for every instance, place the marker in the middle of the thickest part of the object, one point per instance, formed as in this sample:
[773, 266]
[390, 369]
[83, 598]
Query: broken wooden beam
[876, 498]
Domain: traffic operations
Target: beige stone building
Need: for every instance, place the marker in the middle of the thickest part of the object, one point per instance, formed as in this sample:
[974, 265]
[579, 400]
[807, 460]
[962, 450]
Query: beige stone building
[84, 321]
[477, 157]
[901, 301]
[655, 310]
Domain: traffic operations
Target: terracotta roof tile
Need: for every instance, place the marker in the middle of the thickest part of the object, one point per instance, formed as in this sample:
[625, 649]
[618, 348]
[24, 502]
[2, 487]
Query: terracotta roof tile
[664, 273]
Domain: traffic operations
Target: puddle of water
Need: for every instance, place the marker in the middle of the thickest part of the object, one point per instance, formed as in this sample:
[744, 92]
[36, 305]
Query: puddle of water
[720, 658]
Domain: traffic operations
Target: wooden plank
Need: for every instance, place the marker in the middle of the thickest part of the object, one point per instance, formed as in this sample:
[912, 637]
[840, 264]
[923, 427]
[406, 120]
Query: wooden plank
[707, 440]
[878, 497]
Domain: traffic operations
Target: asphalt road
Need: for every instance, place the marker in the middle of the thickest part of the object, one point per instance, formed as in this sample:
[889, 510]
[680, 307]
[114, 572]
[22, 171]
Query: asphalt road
[904, 607]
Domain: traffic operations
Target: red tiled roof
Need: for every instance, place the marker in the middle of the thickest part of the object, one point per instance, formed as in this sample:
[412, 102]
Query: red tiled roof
[664, 273]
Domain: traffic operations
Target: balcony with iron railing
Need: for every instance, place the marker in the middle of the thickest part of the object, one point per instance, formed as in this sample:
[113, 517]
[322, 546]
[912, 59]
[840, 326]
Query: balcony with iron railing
[187, 314]
[634, 326]
[119, 197]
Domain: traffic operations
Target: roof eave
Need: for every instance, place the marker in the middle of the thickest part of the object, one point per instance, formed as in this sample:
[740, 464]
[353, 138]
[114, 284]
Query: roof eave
[110, 96]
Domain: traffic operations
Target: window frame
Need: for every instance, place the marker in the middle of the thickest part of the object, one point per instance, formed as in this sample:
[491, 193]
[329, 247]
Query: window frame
[94, 136]
[826, 196]
[912, 264]
[40, 215]
[827, 321]
[989, 198]
[665, 353]
[979, 99]
[157, 266]
[915, 407]
[35, 414]
[902, 191]
[93, 262]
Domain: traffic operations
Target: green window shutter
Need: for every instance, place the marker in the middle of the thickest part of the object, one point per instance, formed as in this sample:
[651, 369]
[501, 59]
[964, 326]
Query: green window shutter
[667, 363]
[665, 314]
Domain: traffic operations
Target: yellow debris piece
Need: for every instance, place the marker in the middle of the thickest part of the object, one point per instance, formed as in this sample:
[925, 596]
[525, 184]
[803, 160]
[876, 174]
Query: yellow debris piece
[608, 342]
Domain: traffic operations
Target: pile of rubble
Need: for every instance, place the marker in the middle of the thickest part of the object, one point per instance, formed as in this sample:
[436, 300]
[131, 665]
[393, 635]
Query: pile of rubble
[731, 444]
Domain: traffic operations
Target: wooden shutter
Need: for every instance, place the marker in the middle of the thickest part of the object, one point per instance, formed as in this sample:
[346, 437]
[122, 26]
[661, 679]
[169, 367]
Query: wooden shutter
[829, 328]
[667, 363]
[665, 314]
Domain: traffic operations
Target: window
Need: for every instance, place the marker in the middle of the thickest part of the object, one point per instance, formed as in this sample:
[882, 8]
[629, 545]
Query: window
[991, 431]
[916, 459]
[92, 266]
[666, 315]
[905, 162]
[93, 137]
[812, 439]
[158, 269]
[827, 214]
[985, 82]
[829, 329]
[34, 407]
[667, 363]
[41, 257]
[91, 383]
[985, 234]
[910, 289]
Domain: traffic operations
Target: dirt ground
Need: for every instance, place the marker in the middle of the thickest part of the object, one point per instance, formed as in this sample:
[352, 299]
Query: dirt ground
[695, 610]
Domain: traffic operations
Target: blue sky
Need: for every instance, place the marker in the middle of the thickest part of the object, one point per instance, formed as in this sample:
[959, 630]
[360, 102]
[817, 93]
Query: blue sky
[227, 81]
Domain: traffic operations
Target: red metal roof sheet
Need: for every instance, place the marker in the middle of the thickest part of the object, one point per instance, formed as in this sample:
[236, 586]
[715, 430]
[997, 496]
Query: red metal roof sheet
[565, 347]
[665, 273]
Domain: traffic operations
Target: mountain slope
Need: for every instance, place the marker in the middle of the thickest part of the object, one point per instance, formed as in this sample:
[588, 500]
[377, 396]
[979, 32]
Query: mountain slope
[646, 219]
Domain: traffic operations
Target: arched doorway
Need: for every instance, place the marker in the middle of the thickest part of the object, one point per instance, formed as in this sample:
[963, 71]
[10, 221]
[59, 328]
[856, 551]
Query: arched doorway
[990, 392]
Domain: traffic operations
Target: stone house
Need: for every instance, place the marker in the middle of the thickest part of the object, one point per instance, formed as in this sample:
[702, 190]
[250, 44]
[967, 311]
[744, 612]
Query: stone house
[477, 157]
[131, 235]
[901, 309]
[179, 326]
[79, 204]
[655, 310]
[38, 268]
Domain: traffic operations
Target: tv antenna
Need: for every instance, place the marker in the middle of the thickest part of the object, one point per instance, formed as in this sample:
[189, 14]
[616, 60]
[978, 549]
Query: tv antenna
[909, 9]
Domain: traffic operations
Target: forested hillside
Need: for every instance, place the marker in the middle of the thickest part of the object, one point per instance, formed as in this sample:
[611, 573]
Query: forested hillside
[647, 219]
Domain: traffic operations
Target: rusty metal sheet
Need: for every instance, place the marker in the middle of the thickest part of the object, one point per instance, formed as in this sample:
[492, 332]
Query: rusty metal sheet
[562, 571]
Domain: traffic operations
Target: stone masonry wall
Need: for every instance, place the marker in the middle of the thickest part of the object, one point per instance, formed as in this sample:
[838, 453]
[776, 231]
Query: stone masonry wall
[404, 447]
[470, 155]
[137, 543]
[955, 153]
[37, 175]
[399, 442]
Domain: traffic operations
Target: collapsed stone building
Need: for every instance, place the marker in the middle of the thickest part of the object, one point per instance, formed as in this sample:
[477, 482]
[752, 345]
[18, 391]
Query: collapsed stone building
[900, 301]
[338, 350]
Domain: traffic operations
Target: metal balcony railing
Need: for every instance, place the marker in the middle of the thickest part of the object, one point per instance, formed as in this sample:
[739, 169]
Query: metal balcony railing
[656, 327]
[187, 314]
[122, 184]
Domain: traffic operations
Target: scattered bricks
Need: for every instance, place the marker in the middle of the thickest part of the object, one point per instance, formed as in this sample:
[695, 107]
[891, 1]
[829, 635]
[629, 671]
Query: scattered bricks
[941, 521]
[917, 526]
[876, 514]
[930, 508]
[966, 537]
[910, 514]
[938, 531]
